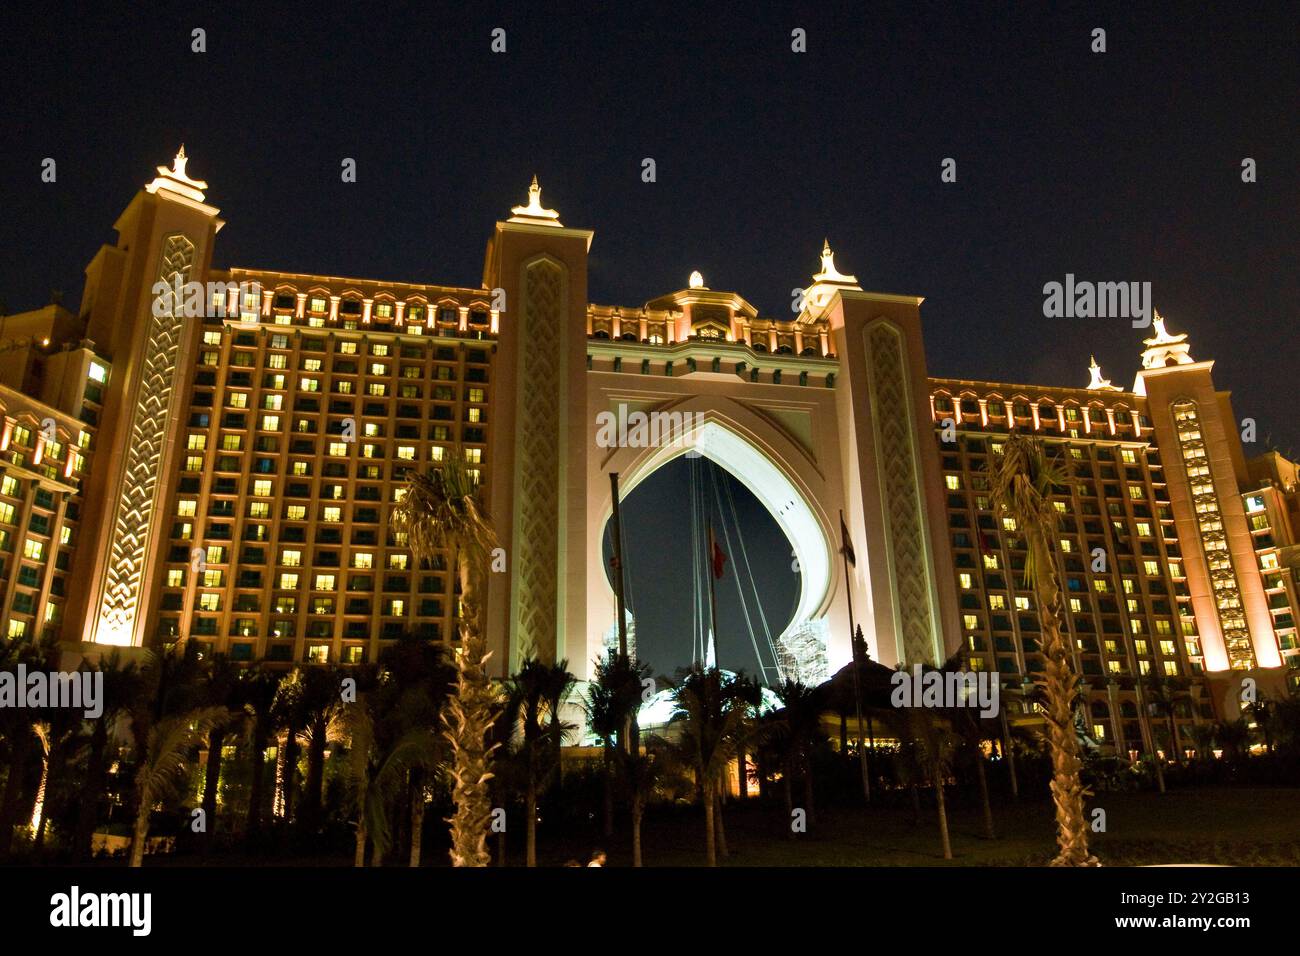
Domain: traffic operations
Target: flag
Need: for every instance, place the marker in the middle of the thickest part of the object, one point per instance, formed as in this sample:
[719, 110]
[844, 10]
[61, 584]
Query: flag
[716, 555]
[846, 548]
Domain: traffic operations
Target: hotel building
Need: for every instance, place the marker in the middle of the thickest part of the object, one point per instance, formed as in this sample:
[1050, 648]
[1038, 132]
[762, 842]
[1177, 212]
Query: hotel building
[214, 455]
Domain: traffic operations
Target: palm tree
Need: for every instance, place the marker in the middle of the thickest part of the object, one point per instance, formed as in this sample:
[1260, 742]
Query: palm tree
[534, 696]
[1022, 481]
[417, 671]
[1163, 696]
[710, 722]
[164, 764]
[612, 702]
[439, 510]
[383, 748]
[219, 685]
[935, 744]
[800, 724]
[124, 685]
[256, 694]
[642, 773]
[321, 698]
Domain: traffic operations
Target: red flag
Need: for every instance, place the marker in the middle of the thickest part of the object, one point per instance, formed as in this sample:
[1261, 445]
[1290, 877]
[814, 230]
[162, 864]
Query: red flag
[716, 555]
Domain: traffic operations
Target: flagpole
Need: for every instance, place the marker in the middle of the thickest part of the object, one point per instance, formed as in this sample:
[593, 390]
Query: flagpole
[630, 736]
[713, 600]
[853, 646]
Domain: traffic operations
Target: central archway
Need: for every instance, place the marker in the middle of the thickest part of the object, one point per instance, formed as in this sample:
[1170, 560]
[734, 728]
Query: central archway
[755, 457]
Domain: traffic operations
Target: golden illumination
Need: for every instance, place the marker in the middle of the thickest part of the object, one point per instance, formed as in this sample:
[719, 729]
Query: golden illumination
[534, 212]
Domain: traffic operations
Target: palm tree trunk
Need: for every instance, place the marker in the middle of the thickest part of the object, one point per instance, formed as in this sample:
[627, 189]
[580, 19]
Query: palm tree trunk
[88, 811]
[742, 778]
[937, 773]
[469, 723]
[607, 827]
[1059, 678]
[140, 833]
[636, 829]
[311, 797]
[984, 795]
[211, 778]
[257, 758]
[359, 854]
[530, 825]
[710, 840]
[719, 829]
[1009, 754]
[808, 790]
[417, 814]
[39, 811]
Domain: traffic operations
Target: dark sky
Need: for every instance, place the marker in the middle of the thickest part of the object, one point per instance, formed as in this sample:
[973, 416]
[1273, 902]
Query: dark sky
[1122, 166]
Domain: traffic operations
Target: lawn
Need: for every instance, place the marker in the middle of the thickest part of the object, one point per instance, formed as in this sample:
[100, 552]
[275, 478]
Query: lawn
[1238, 827]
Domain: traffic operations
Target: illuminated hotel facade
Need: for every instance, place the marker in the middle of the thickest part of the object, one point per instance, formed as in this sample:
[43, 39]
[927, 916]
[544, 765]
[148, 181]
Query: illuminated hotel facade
[214, 455]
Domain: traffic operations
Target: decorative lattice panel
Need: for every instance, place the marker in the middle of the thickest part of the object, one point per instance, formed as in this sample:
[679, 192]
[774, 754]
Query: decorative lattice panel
[896, 459]
[537, 457]
[133, 516]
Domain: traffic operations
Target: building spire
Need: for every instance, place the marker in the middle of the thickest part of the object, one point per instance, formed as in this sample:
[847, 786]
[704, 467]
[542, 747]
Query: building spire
[828, 271]
[177, 180]
[534, 212]
[1165, 348]
[1099, 384]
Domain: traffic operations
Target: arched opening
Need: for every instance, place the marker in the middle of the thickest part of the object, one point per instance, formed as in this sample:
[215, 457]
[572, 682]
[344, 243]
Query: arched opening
[776, 549]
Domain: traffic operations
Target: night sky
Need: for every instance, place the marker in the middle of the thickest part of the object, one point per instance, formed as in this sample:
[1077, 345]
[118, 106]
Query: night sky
[1122, 166]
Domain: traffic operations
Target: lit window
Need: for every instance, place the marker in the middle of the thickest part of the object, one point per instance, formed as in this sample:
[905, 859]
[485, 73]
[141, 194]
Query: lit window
[6, 513]
[290, 558]
[17, 628]
[338, 449]
[997, 602]
[9, 486]
[965, 580]
[476, 395]
[288, 581]
[474, 456]
[295, 512]
[212, 578]
[1022, 604]
[332, 515]
[262, 488]
[396, 607]
[363, 559]
[98, 373]
[270, 423]
[953, 482]
[187, 507]
[175, 578]
[324, 582]
[34, 549]
[397, 562]
[406, 452]
[259, 509]
[318, 305]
